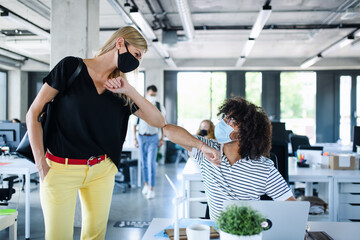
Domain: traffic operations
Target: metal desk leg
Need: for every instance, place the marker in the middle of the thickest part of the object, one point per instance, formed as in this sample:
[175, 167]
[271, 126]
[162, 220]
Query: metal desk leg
[139, 171]
[309, 189]
[27, 205]
[13, 231]
[335, 207]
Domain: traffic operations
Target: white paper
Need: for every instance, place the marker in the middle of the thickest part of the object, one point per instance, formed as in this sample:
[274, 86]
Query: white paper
[344, 161]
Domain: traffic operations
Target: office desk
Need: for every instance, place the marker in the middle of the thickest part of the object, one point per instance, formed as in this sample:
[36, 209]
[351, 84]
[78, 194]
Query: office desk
[21, 166]
[335, 179]
[339, 231]
[9, 221]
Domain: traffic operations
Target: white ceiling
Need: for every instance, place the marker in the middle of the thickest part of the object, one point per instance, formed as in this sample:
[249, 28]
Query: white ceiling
[221, 47]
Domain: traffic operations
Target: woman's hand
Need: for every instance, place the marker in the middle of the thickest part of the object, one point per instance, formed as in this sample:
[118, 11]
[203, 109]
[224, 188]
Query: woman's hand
[43, 168]
[211, 154]
[118, 85]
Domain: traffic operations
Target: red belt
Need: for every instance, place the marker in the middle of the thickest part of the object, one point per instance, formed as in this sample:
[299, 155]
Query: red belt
[90, 162]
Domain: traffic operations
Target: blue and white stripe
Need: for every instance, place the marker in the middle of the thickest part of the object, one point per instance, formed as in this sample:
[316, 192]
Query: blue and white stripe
[247, 179]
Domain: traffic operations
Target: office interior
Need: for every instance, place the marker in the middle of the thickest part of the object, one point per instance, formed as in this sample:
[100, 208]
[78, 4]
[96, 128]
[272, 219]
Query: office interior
[299, 60]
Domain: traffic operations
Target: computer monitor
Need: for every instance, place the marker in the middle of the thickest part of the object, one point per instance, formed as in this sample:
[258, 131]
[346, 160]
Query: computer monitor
[356, 141]
[279, 132]
[11, 134]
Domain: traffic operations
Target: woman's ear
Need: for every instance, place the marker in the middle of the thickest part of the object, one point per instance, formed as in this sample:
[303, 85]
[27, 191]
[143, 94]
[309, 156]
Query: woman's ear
[120, 42]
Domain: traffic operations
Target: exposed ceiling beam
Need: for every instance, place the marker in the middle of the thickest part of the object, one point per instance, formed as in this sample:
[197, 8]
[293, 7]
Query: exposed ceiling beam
[185, 16]
[13, 17]
[136, 18]
[38, 7]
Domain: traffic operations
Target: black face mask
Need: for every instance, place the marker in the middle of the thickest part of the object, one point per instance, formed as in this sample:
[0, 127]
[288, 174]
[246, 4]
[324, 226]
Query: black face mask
[203, 132]
[127, 62]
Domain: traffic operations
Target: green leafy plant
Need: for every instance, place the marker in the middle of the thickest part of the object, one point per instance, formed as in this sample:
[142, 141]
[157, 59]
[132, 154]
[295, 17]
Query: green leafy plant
[240, 221]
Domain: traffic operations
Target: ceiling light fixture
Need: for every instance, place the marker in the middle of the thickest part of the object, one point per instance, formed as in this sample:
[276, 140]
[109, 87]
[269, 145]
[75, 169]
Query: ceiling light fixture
[247, 47]
[26, 24]
[311, 61]
[142, 23]
[118, 8]
[340, 44]
[260, 21]
[12, 55]
[38, 7]
[10, 62]
[240, 61]
[185, 16]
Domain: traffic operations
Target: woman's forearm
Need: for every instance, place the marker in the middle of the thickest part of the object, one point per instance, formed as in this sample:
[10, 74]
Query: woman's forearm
[35, 133]
[149, 112]
[182, 137]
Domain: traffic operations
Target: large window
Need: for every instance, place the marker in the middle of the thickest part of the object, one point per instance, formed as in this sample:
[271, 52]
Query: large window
[137, 80]
[3, 95]
[345, 105]
[298, 96]
[358, 101]
[253, 87]
[199, 96]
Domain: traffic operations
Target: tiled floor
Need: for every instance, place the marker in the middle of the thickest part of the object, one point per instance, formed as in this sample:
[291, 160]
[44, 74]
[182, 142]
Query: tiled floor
[131, 205]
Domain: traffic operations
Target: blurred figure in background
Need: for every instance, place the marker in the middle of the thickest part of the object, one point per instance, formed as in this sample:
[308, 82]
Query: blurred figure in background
[206, 129]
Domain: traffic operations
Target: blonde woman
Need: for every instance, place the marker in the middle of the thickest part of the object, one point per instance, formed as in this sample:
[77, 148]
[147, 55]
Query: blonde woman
[206, 129]
[87, 133]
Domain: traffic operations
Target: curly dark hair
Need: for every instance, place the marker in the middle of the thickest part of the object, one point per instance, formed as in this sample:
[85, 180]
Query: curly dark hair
[254, 127]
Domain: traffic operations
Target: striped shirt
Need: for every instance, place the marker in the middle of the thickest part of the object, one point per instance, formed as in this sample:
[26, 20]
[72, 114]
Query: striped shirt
[247, 179]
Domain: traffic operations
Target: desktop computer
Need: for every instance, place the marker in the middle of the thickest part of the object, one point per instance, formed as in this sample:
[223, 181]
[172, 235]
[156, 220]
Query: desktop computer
[11, 134]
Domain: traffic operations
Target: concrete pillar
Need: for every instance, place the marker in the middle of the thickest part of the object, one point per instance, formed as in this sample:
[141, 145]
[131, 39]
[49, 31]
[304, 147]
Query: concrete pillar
[74, 29]
[17, 94]
[155, 76]
[74, 32]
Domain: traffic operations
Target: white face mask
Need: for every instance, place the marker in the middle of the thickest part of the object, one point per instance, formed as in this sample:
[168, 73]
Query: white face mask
[151, 99]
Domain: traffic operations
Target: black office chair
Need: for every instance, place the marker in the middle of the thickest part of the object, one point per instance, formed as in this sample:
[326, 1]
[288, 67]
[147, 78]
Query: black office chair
[279, 155]
[297, 140]
[125, 163]
[6, 193]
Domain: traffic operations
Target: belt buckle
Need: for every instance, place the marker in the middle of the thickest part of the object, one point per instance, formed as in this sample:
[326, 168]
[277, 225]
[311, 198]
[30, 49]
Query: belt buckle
[90, 159]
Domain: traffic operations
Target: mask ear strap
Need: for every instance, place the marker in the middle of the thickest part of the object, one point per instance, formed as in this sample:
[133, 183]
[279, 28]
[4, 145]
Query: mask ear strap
[126, 46]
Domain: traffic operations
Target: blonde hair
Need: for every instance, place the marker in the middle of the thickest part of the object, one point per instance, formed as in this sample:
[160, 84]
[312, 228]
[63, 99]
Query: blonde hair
[131, 36]
[210, 132]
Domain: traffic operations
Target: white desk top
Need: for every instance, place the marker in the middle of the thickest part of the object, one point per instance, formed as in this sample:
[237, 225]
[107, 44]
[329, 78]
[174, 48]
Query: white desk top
[337, 230]
[17, 165]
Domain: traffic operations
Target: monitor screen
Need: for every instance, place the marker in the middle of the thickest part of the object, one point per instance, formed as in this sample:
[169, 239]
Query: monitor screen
[279, 132]
[11, 134]
[356, 141]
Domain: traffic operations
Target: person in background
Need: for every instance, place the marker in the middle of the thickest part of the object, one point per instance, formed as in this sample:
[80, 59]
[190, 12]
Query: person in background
[148, 142]
[244, 171]
[87, 133]
[15, 120]
[206, 129]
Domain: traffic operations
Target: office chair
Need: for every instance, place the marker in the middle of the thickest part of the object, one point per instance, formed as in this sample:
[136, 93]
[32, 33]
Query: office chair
[297, 140]
[279, 155]
[6, 193]
[181, 154]
[125, 163]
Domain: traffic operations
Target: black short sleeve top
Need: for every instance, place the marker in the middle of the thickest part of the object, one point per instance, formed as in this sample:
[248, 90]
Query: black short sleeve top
[85, 123]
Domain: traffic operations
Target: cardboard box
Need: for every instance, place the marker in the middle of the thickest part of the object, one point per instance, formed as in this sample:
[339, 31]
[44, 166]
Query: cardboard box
[344, 162]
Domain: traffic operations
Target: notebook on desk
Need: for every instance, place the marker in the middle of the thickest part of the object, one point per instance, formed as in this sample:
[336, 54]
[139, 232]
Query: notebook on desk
[288, 218]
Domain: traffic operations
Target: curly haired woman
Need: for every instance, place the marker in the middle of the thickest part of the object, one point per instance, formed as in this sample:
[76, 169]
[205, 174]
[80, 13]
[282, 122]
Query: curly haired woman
[242, 170]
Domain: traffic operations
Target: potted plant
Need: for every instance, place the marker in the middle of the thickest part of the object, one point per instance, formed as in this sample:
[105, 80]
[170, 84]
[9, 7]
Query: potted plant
[241, 223]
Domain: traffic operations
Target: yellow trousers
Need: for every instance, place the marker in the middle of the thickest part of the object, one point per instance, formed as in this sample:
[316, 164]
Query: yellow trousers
[58, 192]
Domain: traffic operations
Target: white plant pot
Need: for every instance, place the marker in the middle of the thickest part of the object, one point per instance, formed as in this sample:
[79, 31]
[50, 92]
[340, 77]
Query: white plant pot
[228, 236]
